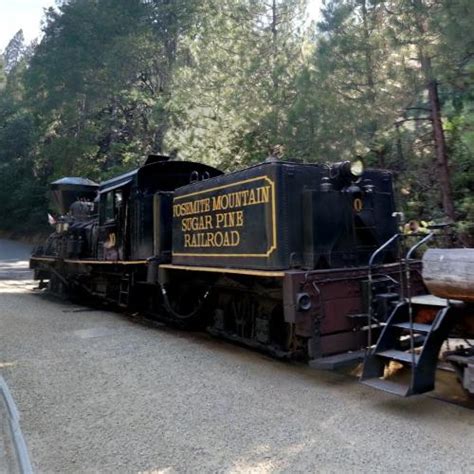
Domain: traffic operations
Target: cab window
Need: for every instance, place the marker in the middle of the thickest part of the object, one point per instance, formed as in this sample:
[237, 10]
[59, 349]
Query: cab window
[109, 206]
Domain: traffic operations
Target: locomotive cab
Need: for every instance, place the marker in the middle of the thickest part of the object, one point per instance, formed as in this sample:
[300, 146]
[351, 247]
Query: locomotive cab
[135, 208]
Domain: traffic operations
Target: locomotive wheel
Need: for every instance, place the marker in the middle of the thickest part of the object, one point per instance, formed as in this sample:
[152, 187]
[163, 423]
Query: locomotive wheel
[251, 313]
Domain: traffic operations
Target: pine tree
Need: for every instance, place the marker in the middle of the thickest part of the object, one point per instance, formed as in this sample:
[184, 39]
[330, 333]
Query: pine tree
[235, 81]
[414, 23]
[3, 78]
[14, 51]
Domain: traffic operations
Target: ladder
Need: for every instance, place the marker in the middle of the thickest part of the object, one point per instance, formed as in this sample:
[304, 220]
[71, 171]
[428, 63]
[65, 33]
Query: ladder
[124, 291]
[415, 345]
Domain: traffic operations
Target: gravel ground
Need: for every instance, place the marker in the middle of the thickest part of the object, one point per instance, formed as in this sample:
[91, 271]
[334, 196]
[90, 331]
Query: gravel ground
[100, 392]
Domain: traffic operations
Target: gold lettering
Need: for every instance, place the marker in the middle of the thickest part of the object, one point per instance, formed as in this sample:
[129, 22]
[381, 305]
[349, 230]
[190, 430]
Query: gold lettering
[235, 238]
[200, 217]
[225, 201]
[232, 219]
[265, 192]
[239, 218]
[218, 239]
[219, 220]
[192, 207]
[247, 197]
[252, 198]
[216, 203]
[210, 239]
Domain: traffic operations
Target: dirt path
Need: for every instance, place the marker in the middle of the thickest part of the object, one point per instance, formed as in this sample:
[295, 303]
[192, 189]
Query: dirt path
[98, 391]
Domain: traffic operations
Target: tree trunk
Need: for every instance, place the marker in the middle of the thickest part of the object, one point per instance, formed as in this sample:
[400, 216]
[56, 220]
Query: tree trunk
[441, 152]
[449, 273]
[371, 89]
[439, 139]
[273, 72]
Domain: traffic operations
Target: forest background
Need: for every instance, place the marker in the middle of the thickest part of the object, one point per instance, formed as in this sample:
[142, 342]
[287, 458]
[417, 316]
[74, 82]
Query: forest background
[227, 82]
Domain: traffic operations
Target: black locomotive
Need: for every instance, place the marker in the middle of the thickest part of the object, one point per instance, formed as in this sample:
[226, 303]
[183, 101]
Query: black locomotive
[279, 256]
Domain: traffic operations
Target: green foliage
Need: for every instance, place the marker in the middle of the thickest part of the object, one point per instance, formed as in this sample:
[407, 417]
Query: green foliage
[227, 82]
[234, 82]
[3, 77]
[14, 51]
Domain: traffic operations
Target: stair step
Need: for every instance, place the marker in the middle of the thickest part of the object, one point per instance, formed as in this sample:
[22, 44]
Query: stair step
[398, 355]
[429, 300]
[388, 386]
[417, 327]
[418, 341]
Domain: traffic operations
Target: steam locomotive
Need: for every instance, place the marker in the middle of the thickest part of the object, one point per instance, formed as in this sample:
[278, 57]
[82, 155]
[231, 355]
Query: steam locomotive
[295, 259]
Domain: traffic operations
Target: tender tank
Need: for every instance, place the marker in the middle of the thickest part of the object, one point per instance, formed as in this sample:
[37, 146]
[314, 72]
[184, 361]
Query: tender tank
[282, 215]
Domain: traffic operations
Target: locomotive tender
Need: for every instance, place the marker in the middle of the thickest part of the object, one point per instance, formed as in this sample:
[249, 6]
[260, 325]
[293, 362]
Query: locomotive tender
[275, 256]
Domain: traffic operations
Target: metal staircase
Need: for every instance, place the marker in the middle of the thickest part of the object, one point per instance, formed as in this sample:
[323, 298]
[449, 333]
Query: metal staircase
[415, 345]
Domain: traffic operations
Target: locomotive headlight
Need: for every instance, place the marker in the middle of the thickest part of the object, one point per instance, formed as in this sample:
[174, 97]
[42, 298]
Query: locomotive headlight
[357, 168]
[346, 171]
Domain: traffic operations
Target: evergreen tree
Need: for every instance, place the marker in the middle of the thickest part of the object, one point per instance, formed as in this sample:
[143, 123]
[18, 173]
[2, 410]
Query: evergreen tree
[3, 78]
[14, 51]
[227, 82]
[234, 84]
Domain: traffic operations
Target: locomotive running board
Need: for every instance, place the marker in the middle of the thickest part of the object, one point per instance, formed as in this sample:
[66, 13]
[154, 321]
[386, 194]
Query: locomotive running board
[337, 361]
[88, 261]
[238, 271]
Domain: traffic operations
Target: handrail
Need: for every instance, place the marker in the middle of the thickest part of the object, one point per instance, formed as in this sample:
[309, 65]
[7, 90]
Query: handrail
[381, 248]
[410, 307]
[369, 295]
[418, 244]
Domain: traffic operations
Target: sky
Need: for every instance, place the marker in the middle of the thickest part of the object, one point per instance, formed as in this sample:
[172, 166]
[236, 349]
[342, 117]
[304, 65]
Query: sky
[21, 14]
[27, 15]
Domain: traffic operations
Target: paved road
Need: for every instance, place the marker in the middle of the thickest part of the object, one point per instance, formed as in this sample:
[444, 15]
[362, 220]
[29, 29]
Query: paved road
[100, 392]
[14, 260]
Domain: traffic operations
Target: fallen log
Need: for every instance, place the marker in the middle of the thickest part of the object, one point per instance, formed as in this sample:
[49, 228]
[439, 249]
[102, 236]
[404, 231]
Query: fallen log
[449, 273]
